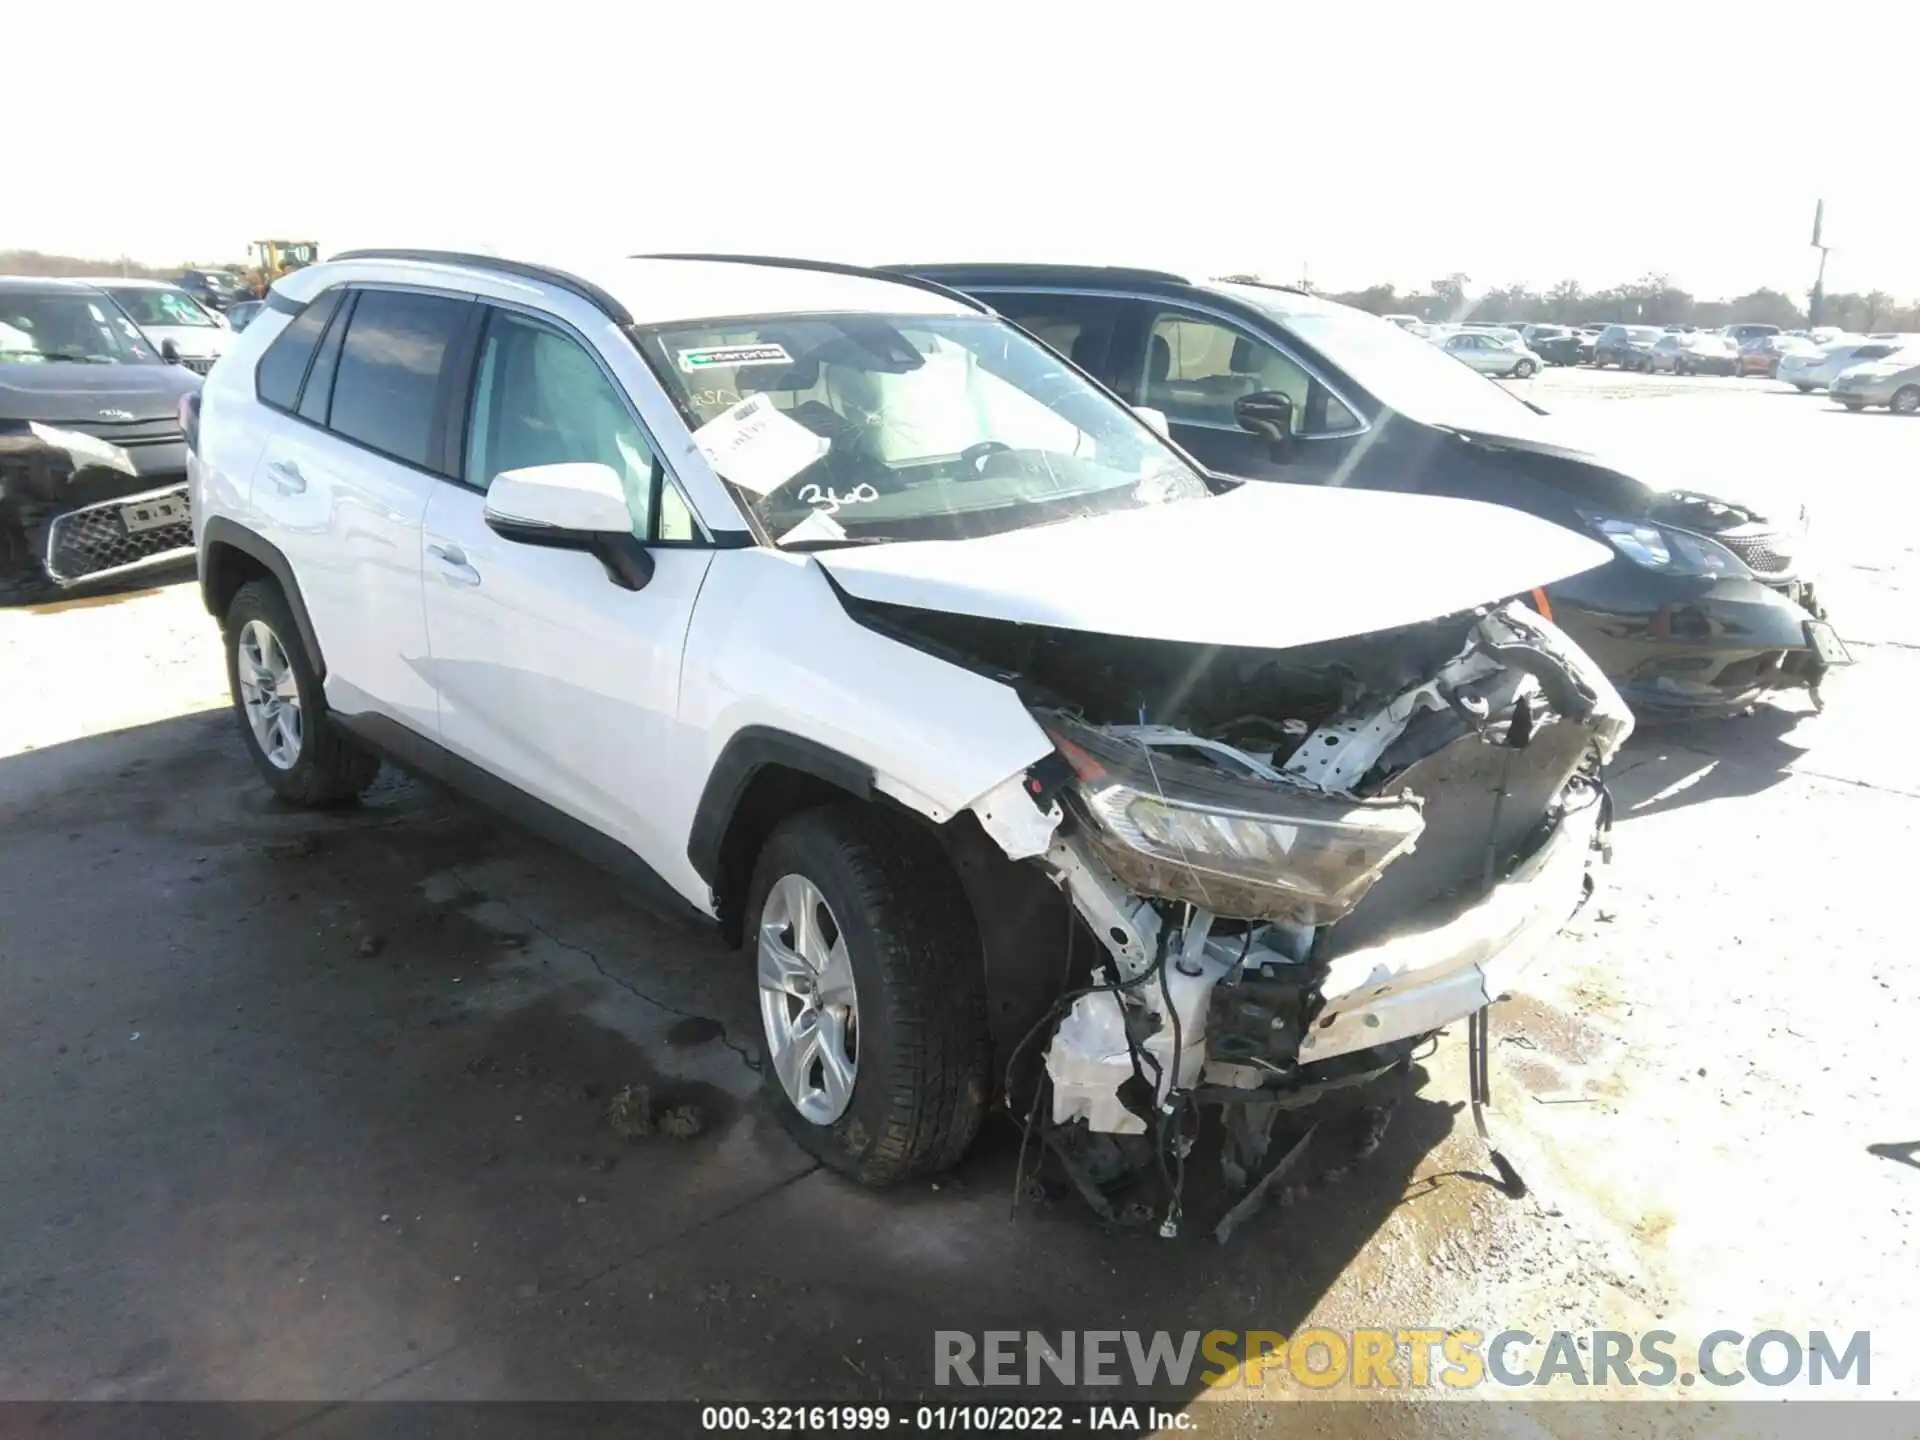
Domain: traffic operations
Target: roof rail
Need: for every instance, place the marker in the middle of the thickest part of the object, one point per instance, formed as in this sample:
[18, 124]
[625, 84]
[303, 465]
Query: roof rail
[585, 289]
[834, 267]
[1027, 269]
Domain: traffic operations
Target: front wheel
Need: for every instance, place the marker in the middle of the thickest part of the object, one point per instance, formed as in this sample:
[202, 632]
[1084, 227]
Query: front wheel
[1524, 370]
[284, 722]
[1803, 389]
[1905, 401]
[872, 994]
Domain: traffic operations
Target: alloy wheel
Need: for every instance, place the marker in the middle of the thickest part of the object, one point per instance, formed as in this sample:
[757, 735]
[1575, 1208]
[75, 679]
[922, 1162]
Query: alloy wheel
[809, 1008]
[269, 693]
[1906, 400]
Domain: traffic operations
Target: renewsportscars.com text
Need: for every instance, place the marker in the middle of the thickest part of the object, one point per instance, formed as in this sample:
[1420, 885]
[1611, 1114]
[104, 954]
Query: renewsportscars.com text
[1457, 1359]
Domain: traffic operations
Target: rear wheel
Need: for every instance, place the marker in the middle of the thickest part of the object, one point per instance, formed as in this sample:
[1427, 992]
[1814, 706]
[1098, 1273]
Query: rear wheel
[294, 743]
[872, 995]
[1905, 401]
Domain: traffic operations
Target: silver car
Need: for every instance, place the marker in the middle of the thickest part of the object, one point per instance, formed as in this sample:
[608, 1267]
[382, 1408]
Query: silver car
[1892, 381]
[1492, 353]
[1817, 371]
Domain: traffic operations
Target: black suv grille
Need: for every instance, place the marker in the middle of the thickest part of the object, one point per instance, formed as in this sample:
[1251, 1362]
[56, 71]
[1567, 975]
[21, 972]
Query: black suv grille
[1764, 553]
[89, 542]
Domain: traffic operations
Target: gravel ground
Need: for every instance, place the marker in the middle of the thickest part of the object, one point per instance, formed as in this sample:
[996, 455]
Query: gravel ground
[314, 1107]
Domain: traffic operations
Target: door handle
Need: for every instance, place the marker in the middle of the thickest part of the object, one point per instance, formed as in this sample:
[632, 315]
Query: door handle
[286, 477]
[454, 568]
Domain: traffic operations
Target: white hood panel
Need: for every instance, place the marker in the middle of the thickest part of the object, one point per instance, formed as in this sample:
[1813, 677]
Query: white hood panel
[1269, 566]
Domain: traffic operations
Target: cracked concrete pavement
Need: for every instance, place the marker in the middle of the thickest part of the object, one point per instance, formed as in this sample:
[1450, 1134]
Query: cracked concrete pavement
[314, 1107]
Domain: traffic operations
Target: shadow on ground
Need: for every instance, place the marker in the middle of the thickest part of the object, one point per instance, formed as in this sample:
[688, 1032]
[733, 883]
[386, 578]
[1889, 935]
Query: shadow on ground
[315, 1106]
[1666, 767]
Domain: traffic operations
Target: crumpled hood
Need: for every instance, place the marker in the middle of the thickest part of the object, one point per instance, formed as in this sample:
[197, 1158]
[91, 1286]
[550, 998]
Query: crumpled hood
[69, 392]
[1266, 565]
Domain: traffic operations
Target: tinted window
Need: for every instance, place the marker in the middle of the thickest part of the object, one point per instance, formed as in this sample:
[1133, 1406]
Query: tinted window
[284, 365]
[1075, 326]
[540, 399]
[388, 376]
[314, 399]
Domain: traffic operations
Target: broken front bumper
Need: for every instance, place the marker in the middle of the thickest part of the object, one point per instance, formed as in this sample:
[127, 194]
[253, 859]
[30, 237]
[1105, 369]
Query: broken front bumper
[1418, 980]
[76, 508]
[1684, 647]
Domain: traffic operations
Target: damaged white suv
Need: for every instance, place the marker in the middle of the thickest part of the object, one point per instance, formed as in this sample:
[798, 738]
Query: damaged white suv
[1016, 750]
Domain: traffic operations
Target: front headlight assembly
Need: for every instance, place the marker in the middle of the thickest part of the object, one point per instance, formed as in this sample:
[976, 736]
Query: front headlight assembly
[1233, 842]
[1662, 548]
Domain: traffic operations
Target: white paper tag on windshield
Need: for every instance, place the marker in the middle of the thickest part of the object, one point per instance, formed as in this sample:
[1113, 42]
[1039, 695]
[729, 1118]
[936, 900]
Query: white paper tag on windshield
[729, 357]
[757, 447]
[817, 526]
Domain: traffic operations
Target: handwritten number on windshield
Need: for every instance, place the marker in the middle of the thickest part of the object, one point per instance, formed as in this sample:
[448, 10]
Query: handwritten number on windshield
[828, 501]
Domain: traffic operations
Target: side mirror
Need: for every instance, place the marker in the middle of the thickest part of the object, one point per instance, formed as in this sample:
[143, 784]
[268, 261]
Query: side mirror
[169, 352]
[575, 506]
[1155, 420]
[1268, 414]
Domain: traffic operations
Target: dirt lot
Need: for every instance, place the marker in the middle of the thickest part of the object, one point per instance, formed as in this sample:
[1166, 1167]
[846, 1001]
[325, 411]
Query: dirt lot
[314, 1108]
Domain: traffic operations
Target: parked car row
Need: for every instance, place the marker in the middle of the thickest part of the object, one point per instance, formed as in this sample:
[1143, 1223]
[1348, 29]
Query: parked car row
[838, 573]
[92, 457]
[817, 600]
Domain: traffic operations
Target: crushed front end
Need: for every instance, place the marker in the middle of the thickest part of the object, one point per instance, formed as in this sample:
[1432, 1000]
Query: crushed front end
[1315, 860]
[88, 501]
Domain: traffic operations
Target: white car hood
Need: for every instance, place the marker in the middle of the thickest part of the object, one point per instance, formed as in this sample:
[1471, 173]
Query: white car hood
[1267, 565]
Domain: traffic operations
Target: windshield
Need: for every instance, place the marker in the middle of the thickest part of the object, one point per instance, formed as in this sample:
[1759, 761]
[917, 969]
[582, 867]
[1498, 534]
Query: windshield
[160, 307]
[1402, 371]
[77, 328]
[839, 429]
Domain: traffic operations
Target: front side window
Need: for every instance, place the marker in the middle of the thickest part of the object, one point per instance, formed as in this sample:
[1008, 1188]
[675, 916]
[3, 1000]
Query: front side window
[1401, 371]
[77, 328]
[162, 307]
[1197, 368]
[539, 399]
[838, 429]
[388, 377]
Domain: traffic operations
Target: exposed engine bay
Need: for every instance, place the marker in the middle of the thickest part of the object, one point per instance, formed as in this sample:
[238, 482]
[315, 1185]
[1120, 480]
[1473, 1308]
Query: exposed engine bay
[1298, 864]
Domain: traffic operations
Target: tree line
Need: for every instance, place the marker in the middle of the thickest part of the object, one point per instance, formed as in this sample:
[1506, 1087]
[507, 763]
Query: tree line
[1653, 299]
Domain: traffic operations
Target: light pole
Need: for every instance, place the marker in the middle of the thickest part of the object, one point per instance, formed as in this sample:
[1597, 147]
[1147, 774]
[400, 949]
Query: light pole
[1820, 277]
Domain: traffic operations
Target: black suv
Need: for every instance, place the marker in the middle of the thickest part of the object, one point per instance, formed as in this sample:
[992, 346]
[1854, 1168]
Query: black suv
[1703, 609]
[93, 462]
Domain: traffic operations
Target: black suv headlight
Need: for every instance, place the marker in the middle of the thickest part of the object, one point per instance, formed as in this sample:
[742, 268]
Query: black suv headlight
[1662, 548]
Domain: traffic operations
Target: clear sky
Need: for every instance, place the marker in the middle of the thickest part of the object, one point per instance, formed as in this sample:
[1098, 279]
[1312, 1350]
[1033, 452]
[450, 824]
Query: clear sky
[1351, 142]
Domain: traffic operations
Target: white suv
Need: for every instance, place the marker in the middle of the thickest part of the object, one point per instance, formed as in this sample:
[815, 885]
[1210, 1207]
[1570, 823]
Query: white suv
[1019, 752]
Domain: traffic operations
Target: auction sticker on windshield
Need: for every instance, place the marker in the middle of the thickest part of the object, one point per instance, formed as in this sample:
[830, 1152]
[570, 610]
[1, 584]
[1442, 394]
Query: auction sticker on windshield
[716, 357]
[756, 446]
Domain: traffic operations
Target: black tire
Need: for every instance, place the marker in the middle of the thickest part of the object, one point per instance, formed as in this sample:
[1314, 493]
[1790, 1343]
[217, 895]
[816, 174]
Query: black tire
[1803, 389]
[1905, 401]
[329, 769]
[1524, 370]
[1853, 404]
[924, 1058]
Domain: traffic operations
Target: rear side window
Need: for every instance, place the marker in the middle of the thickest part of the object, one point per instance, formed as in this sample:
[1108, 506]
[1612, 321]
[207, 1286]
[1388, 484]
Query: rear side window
[319, 391]
[1076, 326]
[387, 380]
[284, 365]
